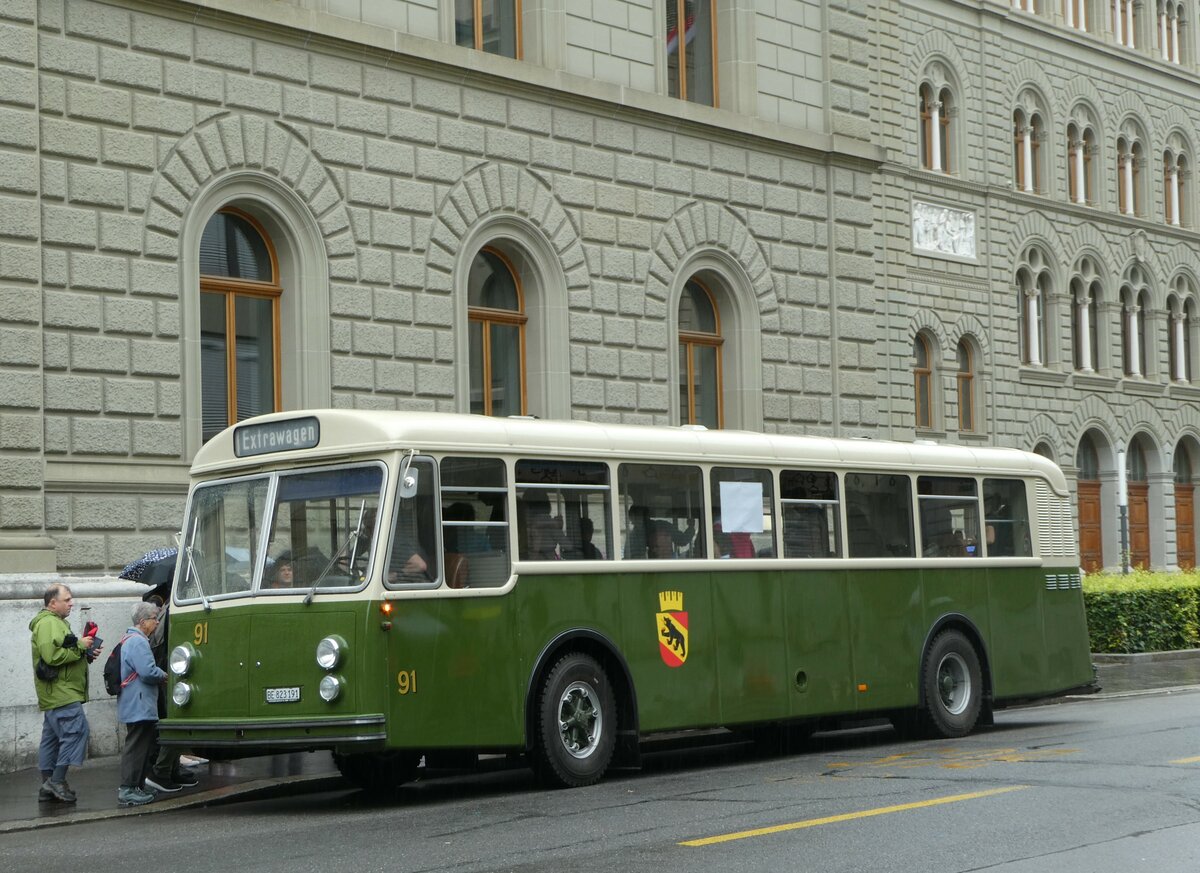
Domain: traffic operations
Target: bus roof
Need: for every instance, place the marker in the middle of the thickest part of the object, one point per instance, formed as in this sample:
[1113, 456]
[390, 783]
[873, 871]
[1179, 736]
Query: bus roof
[365, 432]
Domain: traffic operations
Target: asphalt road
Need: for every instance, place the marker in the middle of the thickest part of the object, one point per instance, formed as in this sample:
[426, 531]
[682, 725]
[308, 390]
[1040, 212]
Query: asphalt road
[1084, 786]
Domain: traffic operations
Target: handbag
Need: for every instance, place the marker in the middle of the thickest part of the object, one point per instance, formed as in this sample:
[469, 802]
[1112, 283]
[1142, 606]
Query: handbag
[44, 671]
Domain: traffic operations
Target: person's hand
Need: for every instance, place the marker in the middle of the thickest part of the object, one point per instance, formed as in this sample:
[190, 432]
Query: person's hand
[86, 643]
[415, 565]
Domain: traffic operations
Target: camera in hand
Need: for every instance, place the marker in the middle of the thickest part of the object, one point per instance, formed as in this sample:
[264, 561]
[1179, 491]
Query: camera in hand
[91, 630]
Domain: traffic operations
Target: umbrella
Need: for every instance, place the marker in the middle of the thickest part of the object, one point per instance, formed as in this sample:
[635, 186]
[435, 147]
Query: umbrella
[156, 569]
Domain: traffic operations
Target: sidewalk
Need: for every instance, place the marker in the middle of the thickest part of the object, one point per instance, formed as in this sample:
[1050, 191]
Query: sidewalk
[96, 785]
[96, 781]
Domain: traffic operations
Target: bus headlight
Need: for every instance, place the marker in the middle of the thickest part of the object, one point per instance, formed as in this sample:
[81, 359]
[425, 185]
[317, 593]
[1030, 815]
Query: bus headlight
[329, 652]
[181, 693]
[180, 661]
[330, 688]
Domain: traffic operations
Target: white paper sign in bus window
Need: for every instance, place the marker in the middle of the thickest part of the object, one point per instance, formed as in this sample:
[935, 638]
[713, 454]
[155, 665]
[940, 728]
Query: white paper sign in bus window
[742, 507]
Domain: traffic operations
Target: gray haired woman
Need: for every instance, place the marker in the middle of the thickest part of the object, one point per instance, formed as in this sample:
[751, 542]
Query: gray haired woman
[137, 705]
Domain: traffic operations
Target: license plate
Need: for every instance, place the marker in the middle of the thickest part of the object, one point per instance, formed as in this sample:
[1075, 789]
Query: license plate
[283, 695]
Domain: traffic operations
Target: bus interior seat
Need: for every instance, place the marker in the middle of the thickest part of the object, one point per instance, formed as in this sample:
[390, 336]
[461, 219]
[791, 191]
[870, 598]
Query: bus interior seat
[489, 569]
[457, 570]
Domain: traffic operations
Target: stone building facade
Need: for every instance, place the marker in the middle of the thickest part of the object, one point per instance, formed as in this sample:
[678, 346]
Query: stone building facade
[380, 160]
[1066, 140]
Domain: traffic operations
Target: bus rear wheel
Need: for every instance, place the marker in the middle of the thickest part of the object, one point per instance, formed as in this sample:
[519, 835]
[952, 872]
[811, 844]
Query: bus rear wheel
[952, 682]
[378, 774]
[577, 722]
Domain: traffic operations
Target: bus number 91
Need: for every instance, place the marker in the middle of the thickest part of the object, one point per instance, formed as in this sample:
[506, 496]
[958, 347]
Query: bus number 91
[406, 681]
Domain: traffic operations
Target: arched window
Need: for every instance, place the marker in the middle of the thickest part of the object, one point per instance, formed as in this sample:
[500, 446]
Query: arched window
[1170, 20]
[700, 365]
[923, 381]
[1081, 146]
[966, 388]
[1180, 307]
[1028, 133]
[1176, 176]
[239, 322]
[1085, 335]
[496, 336]
[936, 108]
[692, 50]
[1075, 13]
[492, 26]
[1135, 301]
[1033, 289]
[1126, 17]
[1131, 181]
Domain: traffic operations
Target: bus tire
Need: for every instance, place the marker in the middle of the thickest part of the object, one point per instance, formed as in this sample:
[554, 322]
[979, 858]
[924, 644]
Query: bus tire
[577, 723]
[378, 774]
[952, 682]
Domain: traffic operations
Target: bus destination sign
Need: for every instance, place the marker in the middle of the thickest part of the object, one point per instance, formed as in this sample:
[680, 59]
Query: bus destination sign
[276, 436]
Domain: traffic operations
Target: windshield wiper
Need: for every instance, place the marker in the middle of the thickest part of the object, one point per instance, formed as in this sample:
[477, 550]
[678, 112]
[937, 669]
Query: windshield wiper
[350, 541]
[188, 551]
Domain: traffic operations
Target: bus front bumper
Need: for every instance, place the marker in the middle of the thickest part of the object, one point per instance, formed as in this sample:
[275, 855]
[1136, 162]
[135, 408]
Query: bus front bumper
[260, 736]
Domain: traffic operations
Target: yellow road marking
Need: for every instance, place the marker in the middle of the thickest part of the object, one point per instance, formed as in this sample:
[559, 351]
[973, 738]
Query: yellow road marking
[1186, 760]
[848, 816]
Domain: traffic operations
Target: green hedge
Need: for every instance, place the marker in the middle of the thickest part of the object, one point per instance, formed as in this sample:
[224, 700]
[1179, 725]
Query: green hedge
[1143, 611]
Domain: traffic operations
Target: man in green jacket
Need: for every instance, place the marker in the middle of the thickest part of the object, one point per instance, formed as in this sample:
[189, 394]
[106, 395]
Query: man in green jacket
[61, 698]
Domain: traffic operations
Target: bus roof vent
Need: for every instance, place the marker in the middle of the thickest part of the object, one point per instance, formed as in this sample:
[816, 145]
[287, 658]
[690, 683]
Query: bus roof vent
[925, 442]
[523, 417]
[692, 427]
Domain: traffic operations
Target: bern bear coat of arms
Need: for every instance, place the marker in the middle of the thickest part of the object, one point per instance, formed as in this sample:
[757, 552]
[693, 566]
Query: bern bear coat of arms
[672, 628]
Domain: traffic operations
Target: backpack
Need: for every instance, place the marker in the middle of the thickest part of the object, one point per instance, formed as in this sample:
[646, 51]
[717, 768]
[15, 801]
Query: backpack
[112, 670]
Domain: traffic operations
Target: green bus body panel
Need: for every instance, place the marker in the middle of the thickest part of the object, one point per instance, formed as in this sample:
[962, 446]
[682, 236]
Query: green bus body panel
[456, 672]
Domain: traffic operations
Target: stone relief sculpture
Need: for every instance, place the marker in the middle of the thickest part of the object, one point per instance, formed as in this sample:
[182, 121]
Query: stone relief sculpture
[943, 230]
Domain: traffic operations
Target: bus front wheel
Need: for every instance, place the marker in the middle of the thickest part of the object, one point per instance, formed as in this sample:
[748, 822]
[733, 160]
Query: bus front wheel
[577, 723]
[379, 774]
[952, 683]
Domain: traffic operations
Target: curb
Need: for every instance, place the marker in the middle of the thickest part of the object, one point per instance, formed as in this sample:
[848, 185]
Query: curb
[211, 797]
[1146, 657]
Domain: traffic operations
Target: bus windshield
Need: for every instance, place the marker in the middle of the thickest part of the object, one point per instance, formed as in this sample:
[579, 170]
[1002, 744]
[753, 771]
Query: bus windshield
[317, 529]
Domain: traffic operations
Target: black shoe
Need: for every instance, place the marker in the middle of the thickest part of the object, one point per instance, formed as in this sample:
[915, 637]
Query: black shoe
[185, 778]
[166, 786]
[59, 791]
[45, 795]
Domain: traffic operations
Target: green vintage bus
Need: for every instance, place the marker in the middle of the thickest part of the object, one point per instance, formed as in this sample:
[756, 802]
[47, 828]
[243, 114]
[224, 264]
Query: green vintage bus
[390, 585]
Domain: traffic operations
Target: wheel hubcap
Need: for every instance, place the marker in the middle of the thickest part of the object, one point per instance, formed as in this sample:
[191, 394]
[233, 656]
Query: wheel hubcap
[954, 684]
[579, 720]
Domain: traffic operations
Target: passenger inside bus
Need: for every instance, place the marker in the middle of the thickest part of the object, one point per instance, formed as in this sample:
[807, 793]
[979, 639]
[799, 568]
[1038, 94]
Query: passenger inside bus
[588, 549]
[282, 574]
[540, 533]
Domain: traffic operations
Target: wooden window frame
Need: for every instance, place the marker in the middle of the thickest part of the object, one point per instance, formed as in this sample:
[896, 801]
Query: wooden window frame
[231, 289]
[688, 341]
[478, 28]
[680, 52]
[966, 390]
[486, 316]
[923, 385]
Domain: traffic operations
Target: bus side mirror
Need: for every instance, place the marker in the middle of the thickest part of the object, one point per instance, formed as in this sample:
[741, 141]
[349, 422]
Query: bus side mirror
[408, 483]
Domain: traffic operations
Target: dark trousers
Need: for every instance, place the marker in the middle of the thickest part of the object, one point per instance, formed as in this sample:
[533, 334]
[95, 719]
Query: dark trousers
[136, 757]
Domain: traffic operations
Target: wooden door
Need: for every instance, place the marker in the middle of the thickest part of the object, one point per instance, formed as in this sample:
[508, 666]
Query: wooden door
[1185, 526]
[1139, 524]
[1091, 550]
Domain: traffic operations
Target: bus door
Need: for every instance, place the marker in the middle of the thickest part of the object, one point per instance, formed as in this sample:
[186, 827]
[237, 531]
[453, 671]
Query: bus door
[452, 658]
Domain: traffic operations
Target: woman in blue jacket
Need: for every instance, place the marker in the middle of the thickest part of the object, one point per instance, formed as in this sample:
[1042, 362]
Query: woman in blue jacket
[137, 705]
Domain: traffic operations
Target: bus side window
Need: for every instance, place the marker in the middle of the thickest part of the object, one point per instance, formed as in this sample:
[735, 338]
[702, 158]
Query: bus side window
[879, 520]
[663, 511]
[949, 517]
[810, 514]
[563, 510]
[1006, 518]
[743, 509]
[413, 558]
[474, 522]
